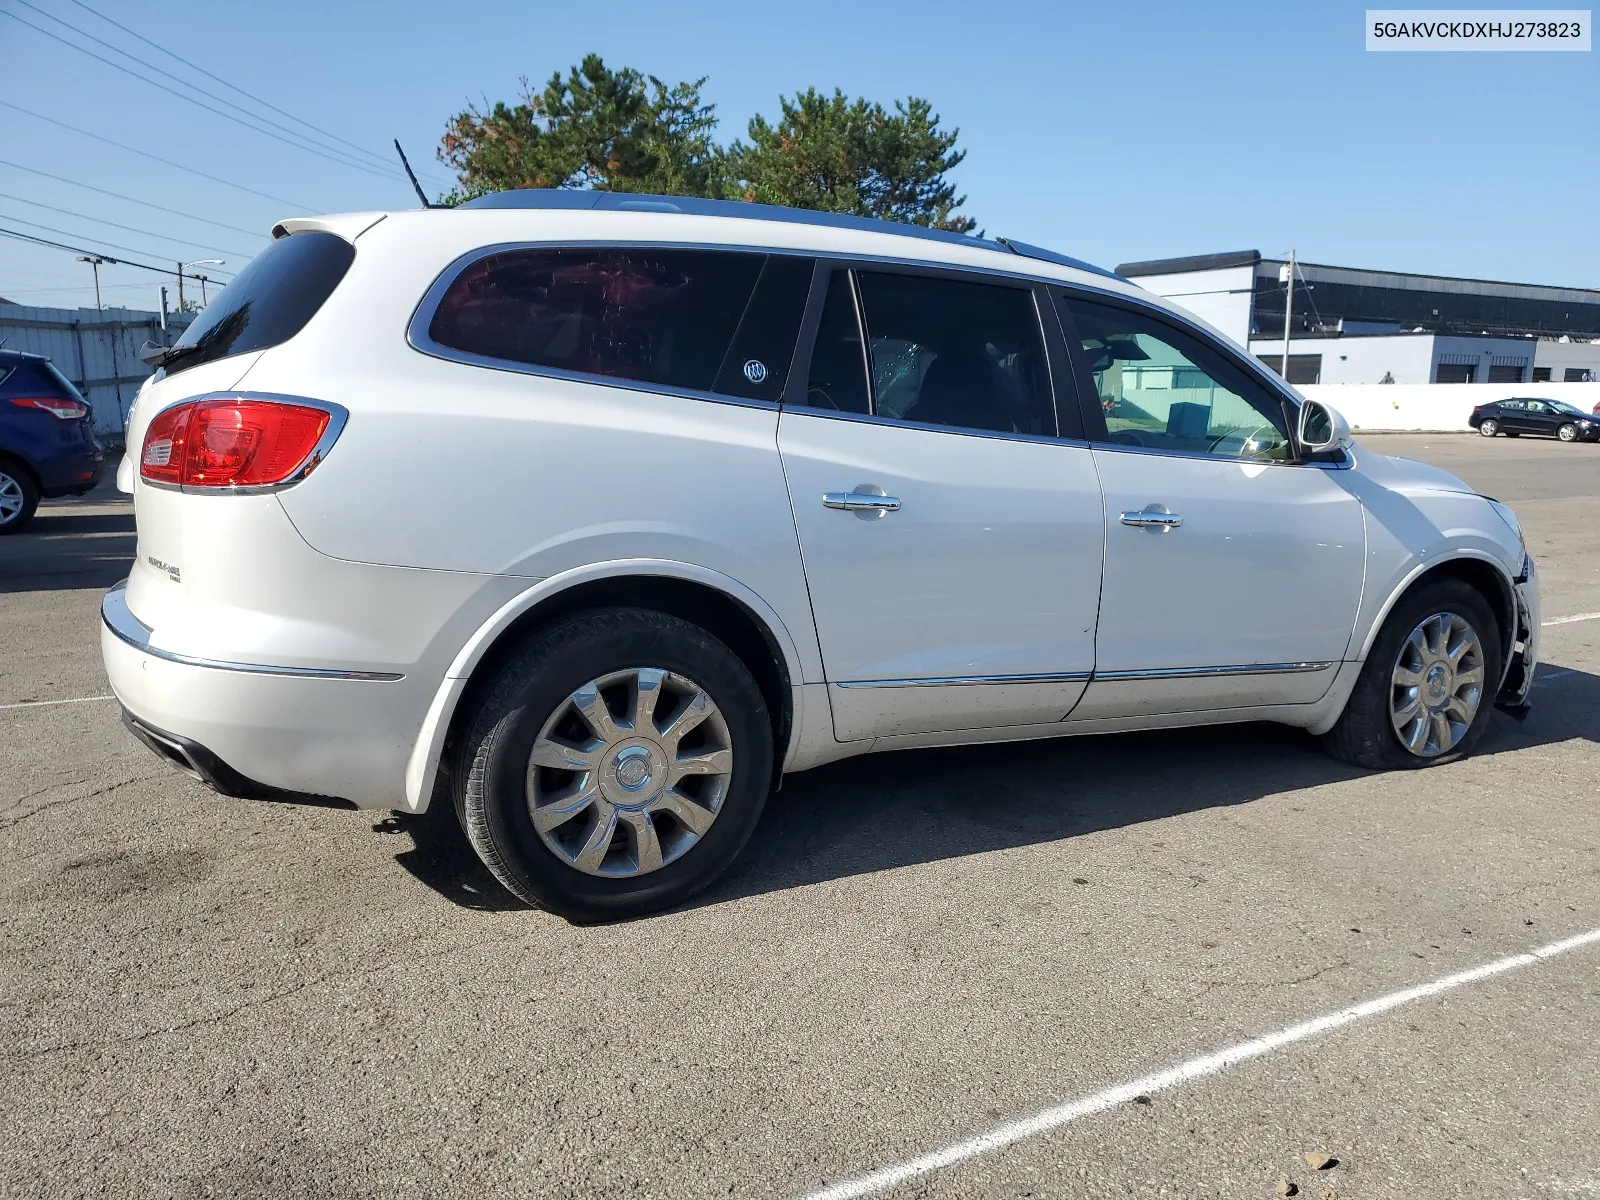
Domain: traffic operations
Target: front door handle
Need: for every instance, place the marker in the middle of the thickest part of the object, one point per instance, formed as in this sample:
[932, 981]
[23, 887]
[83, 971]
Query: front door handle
[861, 502]
[1157, 520]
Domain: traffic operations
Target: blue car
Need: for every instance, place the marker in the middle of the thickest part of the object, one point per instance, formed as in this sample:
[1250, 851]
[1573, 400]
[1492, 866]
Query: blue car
[47, 445]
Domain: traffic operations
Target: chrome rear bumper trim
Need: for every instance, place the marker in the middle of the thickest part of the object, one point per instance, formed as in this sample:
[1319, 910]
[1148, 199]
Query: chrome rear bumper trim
[120, 620]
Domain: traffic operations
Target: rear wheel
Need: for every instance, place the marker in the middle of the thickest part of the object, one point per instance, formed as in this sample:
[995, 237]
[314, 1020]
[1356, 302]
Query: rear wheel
[18, 498]
[1568, 432]
[1426, 692]
[617, 765]
[1489, 428]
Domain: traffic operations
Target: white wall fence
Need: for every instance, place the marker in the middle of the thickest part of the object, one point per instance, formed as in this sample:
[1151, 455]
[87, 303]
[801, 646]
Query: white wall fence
[1434, 407]
[97, 350]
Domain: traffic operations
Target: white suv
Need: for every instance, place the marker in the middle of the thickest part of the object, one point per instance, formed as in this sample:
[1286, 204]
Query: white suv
[593, 513]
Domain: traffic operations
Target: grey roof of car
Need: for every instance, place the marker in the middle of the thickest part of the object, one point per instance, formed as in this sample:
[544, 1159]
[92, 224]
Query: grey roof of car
[572, 198]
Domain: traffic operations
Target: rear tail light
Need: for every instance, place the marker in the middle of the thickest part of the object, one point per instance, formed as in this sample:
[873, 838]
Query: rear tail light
[58, 407]
[237, 442]
[1477, 409]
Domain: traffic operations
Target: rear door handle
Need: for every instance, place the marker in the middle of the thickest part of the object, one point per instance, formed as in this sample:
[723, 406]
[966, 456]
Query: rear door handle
[859, 501]
[1152, 518]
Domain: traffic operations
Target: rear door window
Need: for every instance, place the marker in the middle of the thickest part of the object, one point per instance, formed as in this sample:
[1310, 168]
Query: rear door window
[269, 302]
[701, 320]
[939, 351]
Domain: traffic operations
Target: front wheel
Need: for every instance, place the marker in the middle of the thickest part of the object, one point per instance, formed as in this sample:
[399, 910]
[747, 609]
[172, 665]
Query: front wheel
[1426, 692]
[616, 766]
[1568, 432]
[1489, 428]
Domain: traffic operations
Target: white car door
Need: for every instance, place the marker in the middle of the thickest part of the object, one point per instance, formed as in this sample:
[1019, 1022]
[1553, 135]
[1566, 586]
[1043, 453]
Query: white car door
[951, 540]
[1232, 572]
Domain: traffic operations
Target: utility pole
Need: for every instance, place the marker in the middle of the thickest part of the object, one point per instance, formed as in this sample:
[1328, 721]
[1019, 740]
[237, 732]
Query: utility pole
[180, 290]
[203, 300]
[1288, 318]
[94, 261]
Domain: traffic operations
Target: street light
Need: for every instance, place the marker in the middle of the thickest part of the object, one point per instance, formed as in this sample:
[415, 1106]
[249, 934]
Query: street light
[94, 260]
[199, 262]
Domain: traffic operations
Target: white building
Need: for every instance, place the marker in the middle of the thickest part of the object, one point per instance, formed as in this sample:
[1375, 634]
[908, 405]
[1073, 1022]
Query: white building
[1360, 326]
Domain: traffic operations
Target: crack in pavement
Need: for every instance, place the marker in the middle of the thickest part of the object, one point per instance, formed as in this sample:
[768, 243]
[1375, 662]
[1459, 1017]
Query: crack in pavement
[33, 812]
[217, 1018]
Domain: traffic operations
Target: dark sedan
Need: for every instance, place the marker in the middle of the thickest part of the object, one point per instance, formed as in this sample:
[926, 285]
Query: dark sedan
[1546, 418]
[47, 445]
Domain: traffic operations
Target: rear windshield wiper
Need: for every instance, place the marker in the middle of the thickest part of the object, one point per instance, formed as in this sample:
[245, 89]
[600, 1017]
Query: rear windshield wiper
[156, 355]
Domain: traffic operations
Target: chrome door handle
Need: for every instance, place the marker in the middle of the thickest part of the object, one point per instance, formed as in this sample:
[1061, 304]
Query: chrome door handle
[1150, 518]
[861, 501]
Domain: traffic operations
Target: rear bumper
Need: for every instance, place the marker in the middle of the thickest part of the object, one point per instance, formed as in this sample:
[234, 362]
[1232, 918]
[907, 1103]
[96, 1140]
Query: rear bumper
[260, 731]
[70, 474]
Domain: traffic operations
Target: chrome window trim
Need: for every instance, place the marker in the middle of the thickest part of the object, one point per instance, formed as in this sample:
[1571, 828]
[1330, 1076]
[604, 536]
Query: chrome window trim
[119, 619]
[418, 338]
[1345, 463]
[339, 417]
[966, 680]
[828, 414]
[1297, 668]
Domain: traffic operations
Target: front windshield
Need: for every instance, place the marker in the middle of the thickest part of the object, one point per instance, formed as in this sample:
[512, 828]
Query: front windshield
[1561, 406]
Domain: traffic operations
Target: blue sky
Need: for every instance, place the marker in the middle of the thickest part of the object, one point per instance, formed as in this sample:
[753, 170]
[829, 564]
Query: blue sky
[1110, 131]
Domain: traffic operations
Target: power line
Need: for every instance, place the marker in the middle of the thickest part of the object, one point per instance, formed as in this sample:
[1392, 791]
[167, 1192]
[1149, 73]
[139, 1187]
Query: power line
[228, 83]
[115, 49]
[121, 262]
[298, 145]
[165, 237]
[129, 199]
[157, 158]
[71, 234]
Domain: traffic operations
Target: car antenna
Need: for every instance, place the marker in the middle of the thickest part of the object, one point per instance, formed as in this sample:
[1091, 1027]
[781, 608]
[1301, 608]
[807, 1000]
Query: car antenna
[412, 175]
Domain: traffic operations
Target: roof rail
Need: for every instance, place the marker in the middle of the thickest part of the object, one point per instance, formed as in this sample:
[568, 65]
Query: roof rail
[573, 198]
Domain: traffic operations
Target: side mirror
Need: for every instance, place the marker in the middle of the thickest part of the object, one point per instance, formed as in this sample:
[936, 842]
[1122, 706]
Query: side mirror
[1321, 427]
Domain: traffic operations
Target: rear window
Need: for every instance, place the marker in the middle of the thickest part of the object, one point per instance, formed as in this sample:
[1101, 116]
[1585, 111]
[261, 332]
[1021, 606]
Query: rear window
[35, 376]
[270, 301]
[703, 320]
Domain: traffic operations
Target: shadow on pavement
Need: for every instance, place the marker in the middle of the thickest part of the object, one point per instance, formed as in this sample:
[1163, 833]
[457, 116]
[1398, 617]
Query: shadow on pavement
[67, 548]
[897, 809]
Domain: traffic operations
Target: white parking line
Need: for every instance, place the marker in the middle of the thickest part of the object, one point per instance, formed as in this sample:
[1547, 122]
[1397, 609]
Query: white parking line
[45, 703]
[1594, 616]
[1195, 1068]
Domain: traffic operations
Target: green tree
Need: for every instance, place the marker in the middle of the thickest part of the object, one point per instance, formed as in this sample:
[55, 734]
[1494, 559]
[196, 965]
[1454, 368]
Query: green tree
[853, 156]
[625, 131]
[596, 128]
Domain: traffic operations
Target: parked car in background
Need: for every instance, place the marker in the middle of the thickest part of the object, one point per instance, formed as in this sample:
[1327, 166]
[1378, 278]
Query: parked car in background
[1546, 418]
[718, 491]
[47, 443]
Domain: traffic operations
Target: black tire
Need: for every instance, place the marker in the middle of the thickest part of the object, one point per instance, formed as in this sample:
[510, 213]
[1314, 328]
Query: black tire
[1489, 427]
[1365, 735]
[1568, 432]
[16, 483]
[491, 792]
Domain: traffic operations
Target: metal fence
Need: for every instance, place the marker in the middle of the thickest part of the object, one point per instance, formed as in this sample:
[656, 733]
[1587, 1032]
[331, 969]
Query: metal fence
[98, 349]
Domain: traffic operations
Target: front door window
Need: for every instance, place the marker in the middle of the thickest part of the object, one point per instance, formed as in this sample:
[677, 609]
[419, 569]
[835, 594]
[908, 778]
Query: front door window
[1164, 389]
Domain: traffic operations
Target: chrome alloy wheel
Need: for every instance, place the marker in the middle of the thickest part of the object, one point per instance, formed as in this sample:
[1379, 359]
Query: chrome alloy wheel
[1437, 685]
[629, 772]
[11, 499]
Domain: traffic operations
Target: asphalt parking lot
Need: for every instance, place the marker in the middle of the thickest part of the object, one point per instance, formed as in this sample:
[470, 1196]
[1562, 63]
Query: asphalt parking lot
[202, 996]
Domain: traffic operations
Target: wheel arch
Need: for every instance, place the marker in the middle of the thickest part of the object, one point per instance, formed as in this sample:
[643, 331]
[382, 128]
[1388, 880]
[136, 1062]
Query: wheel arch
[742, 619]
[12, 456]
[1480, 571]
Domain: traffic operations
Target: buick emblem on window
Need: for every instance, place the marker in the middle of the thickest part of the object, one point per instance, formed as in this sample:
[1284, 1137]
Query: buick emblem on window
[755, 370]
